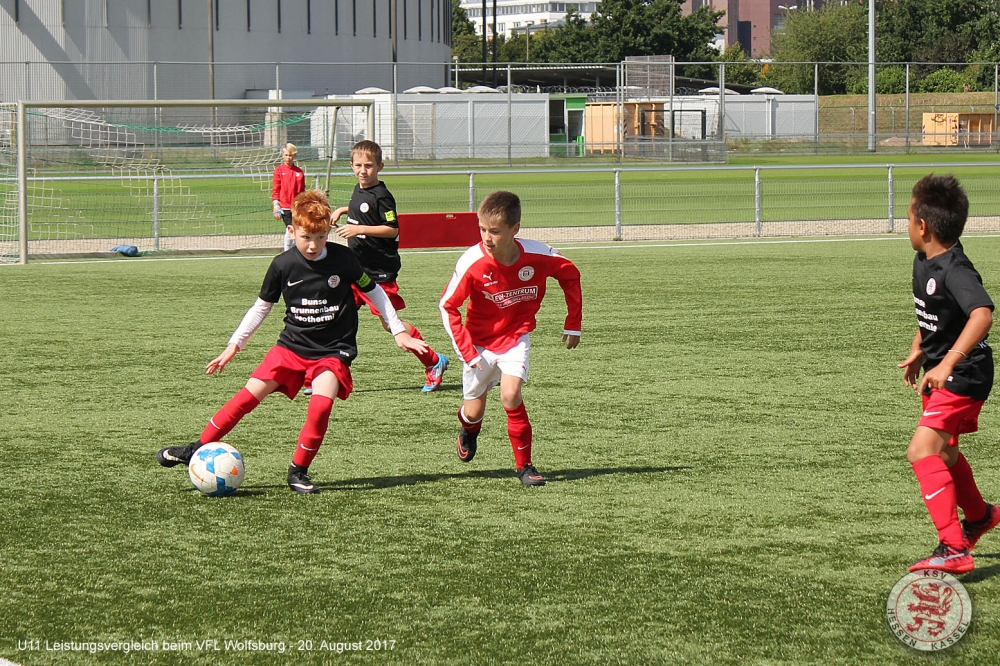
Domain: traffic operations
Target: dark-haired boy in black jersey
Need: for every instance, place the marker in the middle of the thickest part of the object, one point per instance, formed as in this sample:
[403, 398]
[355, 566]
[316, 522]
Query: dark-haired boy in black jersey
[372, 232]
[954, 316]
[317, 345]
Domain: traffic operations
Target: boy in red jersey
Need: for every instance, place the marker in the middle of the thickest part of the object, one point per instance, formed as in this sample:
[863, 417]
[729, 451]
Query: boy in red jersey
[503, 279]
[289, 182]
[954, 316]
[317, 345]
[372, 232]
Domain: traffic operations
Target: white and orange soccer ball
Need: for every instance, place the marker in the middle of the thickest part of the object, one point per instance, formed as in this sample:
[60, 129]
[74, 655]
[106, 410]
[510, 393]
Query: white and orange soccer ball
[216, 469]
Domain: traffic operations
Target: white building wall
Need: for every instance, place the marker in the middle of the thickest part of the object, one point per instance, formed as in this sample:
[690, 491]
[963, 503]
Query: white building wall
[353, 32]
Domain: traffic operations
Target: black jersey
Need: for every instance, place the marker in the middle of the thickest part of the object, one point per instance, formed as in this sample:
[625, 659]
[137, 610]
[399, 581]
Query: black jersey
[945, 290]
[375, 207]
[320, 316]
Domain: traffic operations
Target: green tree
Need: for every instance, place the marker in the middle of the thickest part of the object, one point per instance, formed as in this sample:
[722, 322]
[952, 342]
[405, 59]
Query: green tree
[624, 28]
[465, 43]
[927, 30]
[739, 68]
[944, 80]
[570, 42]
[923, 32]
[835, 33]
[618, 29]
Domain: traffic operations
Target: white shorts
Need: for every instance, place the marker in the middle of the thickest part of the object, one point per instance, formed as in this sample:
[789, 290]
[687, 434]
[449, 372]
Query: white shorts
[514, 362]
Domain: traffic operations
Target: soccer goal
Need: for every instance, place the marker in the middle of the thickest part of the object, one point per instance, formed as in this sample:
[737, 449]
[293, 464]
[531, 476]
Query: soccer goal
[81, 177]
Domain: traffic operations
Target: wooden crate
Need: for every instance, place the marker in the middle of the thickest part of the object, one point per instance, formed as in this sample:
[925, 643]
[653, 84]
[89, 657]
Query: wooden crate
[958, 129]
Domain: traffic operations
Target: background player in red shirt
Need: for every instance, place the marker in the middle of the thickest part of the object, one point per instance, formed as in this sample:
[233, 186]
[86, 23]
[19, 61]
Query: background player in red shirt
[372, 232]
[954, 316]
[503, 279]
[317, 345]
[289, 182]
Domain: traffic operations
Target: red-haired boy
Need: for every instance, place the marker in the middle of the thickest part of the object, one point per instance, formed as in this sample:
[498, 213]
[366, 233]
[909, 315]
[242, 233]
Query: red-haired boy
[317, 345]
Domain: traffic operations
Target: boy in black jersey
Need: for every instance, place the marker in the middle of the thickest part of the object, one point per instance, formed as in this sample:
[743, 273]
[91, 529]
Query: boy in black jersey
[317, 345]
[372, 232]
[954, 316]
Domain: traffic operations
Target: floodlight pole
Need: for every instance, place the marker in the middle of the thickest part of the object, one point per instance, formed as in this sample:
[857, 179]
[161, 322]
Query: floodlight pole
[871, 76]
[494, 43]
[484, 42]
[211, 50]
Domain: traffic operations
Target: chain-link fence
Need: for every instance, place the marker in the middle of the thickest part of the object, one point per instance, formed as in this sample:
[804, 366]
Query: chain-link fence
[559, 205]
[639, 110]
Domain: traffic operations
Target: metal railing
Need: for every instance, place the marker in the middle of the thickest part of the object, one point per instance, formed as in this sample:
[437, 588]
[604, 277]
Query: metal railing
[559, 205]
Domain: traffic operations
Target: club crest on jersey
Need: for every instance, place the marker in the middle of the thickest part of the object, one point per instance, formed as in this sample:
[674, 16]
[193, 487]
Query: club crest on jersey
[364, 206]
[333, 281]
[526, 273]
[931, 286]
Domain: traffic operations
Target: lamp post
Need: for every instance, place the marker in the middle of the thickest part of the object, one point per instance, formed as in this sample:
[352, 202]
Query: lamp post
[871, 76]
[455, 58]
[786, 9]
[211, 50]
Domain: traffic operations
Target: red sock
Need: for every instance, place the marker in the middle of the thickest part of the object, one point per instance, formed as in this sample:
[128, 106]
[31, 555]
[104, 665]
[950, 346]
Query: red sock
[311, 437]
[938, 491]
[966, 492]
[519, 431]
[226, 418]
[429, 357]
[470, 426]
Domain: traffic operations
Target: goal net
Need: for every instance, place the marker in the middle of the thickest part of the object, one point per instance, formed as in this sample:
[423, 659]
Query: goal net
[86, 177]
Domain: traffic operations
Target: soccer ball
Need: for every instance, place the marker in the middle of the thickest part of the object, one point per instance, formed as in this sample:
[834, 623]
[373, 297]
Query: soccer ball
[216, 469]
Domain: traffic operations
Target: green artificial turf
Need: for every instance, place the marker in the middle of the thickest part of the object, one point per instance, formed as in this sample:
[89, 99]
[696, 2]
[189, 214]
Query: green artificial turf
[725, 454]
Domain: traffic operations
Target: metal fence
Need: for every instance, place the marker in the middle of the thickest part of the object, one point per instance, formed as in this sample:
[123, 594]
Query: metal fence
[907, 94]
[567, 205]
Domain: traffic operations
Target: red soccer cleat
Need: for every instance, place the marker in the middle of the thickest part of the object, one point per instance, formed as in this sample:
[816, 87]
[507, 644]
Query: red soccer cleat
[947, 559]
[434, 373]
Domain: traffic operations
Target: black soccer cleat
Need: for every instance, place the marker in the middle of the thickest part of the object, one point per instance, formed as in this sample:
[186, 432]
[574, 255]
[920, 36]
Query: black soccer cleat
[177, 455]
[299, 481]
[530, 477]
[467, 445]
[973, 531]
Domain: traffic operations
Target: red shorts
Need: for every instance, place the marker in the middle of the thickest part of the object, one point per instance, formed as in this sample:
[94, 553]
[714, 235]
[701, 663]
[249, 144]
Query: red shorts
[391, 290]
[291, 371]
[955, 414]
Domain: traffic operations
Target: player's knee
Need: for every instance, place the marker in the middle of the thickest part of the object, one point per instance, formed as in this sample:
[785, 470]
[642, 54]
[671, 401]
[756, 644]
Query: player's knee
[511, 399]
[918, 450]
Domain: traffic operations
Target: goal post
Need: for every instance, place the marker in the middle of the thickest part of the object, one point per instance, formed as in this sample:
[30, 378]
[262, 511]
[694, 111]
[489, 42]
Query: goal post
[163, 175]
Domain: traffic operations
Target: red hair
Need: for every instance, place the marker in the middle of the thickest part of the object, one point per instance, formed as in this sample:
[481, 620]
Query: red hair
[311, 212]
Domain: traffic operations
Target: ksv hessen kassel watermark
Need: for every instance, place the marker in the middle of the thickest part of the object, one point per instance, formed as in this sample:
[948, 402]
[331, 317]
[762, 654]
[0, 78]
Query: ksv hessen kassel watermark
[929, 610]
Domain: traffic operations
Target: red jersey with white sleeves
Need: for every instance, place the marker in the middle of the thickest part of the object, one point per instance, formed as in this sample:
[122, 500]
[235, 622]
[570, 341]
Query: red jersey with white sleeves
[503, 300]
[289, 182]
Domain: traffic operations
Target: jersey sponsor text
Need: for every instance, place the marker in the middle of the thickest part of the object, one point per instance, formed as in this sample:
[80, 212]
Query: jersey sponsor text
[505, 299]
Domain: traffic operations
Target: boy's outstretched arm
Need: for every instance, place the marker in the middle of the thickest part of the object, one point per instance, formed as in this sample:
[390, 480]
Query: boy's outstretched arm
[219, 363]
[251, 322]
[976, 328]
[336, 215]
[392, 320]
[380, 231]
